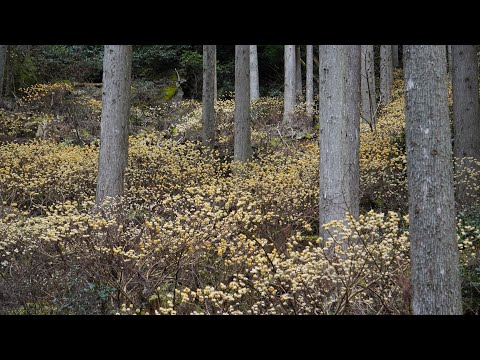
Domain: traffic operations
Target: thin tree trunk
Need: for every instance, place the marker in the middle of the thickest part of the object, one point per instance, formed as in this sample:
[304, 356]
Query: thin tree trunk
[395, 59]
[298, 73]
[254, 79]
[450, 61]
[113, 157]
[433, 250]
[339, 122]
[215, 95]
[466, 115]
[242, 144]
[208, 95]
[3, 61]
[289, 92]
[369, 101]
[386, 73]
[309, 81]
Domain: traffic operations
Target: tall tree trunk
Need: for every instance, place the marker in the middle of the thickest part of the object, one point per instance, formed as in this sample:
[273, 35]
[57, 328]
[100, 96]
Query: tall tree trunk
[339, 123]
[298, 73]
[369, 101]
[289, 92]
[215, 95]
[117, 69]
[3, 61]
[450, 61]
[242, 145]
[433, 249]
[208, 94]
[309, 81]
[466, 116]
[254, 79]
[395, 59]
[386, 73]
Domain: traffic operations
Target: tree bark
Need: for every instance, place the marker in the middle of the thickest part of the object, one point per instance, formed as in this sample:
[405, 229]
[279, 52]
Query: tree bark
[395, 59]
[3, 61]
[309, 81]
[434, 253]
[386, 74]
[339, 131]
[368, 94]
[450, 61]
[113, 157]
[289, 92]
[298, 73]
[466, 116]
[208, 95]
[254, 79]
[215, 95]
[242, 144]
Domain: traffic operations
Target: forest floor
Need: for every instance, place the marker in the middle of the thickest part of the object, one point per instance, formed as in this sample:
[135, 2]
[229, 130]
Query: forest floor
[190, 238]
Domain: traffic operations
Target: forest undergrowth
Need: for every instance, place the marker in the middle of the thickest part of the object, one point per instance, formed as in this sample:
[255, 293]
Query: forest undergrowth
[189, 237]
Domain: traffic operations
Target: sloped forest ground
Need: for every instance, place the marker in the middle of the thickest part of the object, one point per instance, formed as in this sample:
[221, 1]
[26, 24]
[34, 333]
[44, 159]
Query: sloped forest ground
[190, 238]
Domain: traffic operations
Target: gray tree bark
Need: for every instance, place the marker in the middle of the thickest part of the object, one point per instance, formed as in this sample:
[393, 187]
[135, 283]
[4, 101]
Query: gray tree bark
[254, 79]
[395, 59]
[3, 61]
[298, 73]
[309, 81]
[215, 75]
[433, 250]
[339, 131]
[369, 101]
[208, 94]
[386, 73]
[289, 92]
[113, 157]
[242, 143]
[466, 115]
[449, 56]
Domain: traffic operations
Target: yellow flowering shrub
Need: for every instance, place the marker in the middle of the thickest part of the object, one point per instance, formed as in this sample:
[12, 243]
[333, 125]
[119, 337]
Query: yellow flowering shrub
[190, 237]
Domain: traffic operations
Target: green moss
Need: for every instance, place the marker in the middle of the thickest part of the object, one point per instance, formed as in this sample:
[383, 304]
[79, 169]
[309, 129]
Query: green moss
[169, 92]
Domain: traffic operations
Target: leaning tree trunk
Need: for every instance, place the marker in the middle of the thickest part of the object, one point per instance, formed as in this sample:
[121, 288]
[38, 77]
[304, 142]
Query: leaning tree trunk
[208, 95]
[289, 92]
[242, 143]
[254, 79]
[117, 69]
[298, 73]
[466, 116]
[368, 94]
[309, 81]
[386, 73]
[339, 131]
[3, 61]
[395, 59]
[433, 250]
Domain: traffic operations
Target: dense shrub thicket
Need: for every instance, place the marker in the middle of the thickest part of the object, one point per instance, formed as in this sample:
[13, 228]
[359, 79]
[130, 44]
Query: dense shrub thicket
[190, 238]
